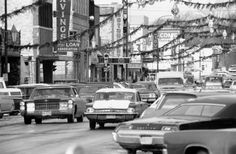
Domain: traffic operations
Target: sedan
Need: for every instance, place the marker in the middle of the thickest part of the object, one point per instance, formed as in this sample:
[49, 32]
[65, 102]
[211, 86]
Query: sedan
[113, 105]
[56, 101]
[201, 141]
[147, 134]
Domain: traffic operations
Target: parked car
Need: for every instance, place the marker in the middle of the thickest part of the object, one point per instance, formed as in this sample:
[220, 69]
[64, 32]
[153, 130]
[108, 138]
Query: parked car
[165, 102]
[54, 101]
[112, 105]
[27, 89]
[204, 141]
[227, 83]
[147, 89]
[147, 134]
[15, 95]
[6, 105]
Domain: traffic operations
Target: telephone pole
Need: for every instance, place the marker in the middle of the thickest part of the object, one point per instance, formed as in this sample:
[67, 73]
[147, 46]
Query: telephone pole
[5, 71]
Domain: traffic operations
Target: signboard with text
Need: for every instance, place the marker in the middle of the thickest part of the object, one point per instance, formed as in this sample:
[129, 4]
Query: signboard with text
[63, 21]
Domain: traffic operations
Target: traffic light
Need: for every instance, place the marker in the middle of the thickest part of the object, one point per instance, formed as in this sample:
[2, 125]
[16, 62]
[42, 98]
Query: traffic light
[54, 67]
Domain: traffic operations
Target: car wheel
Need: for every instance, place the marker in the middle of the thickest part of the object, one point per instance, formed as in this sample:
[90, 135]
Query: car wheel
[202, 152]
[92, 124]
[131, 151]
[71, 118]
[38, 120]
[80, 119]
[1, 114]
[101, 125]
[27, 120]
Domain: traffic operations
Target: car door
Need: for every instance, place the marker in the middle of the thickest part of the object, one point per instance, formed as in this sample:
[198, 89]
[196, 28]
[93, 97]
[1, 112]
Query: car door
[6, 102]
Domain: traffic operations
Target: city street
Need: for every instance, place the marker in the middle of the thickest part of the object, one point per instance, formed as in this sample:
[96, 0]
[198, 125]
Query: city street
[54, 137]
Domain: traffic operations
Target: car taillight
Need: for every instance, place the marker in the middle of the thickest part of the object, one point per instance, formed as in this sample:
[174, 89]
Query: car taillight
[131, 110]
[152, 95]
[90, 110]
[169, 128]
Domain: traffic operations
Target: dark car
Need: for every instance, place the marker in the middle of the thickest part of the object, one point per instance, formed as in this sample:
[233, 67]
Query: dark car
[27, 89]
[55, 101]
[165, 102]
[148, 90]
[87, 90]
[147, 134]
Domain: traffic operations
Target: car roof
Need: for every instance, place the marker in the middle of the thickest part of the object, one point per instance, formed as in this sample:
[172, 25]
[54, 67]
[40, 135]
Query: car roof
[117, 90]
[180, 93]
[54, 86]
[144, 82]
[31, 85]
[10, 90]
[216, 99]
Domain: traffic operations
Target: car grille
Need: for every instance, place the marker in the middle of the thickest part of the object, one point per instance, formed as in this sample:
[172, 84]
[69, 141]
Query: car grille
[146, 127]
[47, 106]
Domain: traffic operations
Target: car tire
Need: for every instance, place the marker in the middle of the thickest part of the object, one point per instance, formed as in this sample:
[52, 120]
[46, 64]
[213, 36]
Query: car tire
[80, 119]
[92, 124]
[131, 151]
[38, 120]
[27, 120]
[71, 118]
[1, 115]
[101, 125]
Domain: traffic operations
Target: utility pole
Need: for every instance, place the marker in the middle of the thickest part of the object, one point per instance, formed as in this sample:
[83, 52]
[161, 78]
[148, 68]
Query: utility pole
[5, 75]
[125, 33]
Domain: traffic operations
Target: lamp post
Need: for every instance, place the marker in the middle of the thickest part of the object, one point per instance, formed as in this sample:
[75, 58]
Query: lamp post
[125, 33]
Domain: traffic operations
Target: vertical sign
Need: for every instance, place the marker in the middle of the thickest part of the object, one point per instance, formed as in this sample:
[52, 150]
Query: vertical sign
[63, 20]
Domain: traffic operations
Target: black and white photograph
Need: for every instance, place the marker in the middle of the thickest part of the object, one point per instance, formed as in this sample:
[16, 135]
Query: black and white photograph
[117, 77]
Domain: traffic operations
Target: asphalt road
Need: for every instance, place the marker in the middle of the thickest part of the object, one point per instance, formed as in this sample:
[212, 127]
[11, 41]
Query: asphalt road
[55, 136]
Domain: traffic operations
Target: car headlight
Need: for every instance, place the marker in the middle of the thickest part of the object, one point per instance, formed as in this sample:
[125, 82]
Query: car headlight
[152, 95]
[63, 105]
[22, 106]
[30, 107]
[169, 128]
[90, 110]
[70, 104]
[131, 110]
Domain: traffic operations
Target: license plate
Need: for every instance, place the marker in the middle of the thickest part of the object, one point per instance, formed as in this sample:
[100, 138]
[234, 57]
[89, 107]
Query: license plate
[46, 113]
[146, 140]
[110, 116]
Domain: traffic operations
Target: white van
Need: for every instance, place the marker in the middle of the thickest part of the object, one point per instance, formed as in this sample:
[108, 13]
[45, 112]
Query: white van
[170, 81]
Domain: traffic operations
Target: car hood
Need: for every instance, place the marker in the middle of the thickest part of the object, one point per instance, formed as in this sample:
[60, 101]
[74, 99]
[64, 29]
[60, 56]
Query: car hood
[111, 104]
[172, 120]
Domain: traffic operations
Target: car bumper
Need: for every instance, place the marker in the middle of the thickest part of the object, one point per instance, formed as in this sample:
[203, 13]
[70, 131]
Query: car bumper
[140, 140]
[110, 117]
[48, 113]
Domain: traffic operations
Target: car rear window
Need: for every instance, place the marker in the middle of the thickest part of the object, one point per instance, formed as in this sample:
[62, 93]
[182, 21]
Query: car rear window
[170, 81]
[196, 110]
[172, 101]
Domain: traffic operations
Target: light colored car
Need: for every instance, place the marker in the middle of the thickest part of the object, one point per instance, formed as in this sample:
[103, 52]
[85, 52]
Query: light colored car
[6, 105]
[55, 101]
[113, 105]
[206, 141]
[233, 86]
[148, 134]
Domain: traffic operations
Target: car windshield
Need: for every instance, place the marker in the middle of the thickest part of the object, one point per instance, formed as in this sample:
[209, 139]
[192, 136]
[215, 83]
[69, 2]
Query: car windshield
[85, 90]
[172, 101]
[195, 110]
[170, 81]
[143, 86]
[51, 92]
[115, 96]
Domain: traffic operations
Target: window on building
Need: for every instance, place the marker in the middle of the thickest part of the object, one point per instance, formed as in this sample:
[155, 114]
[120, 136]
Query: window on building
[45, 15]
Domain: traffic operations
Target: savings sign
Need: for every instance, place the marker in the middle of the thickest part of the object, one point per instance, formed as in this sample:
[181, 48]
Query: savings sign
[63, 21]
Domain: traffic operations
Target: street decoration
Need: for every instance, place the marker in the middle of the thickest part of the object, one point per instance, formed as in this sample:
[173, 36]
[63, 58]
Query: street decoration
[23, 9]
